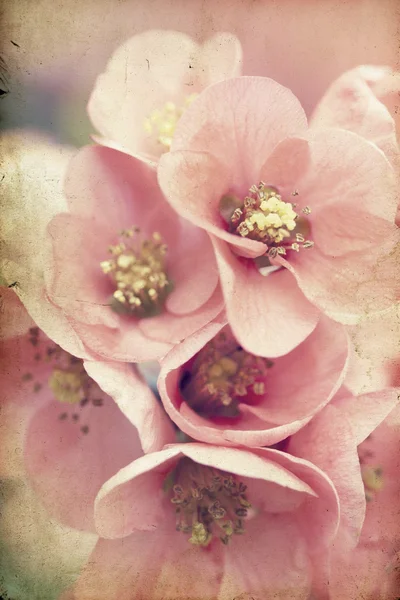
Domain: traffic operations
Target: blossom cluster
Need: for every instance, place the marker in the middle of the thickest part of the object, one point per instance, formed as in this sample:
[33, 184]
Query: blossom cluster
[201, 355]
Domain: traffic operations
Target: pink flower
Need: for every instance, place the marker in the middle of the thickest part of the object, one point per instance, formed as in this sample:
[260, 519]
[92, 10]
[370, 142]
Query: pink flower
[150, 80]
[362, 462]
[196, 521]
[215, 391]
[270, 191]
[69, 434]
[130, 276]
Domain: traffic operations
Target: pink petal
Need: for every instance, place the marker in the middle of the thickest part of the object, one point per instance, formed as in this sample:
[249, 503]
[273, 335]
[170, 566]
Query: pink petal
[68, 467]
[318, 517]
[219, 58]
[239, 122]
[76, 283]
[133, 498]
[116, 191]
[363, 574]
[246, 463]
[143, 479]
[288, 163]
[274, 564]
[137, 402]
[316, 367]
[141, 76]
[269, 315]
[125, 343]
[355, 102]
[328, 442]
[347, 172]
[174, 329]
[193, 183]
[192, 269]
[147, 566]
[352, 286]
[366, 412]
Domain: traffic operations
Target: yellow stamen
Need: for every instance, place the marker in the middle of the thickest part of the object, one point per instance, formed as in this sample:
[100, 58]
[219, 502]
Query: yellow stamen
[208, 502]
[265, 217]
[162, 122]
[67, 385]
[139, 274]
[221, 376]
[372, 479]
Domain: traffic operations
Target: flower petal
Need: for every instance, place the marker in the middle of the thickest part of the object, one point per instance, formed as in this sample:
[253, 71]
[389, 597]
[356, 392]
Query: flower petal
[239, 122]
[355, 101]
[143, 74]
[147, 566]
[67, 467]
[268, 314]
[174, 329]
[136, 400]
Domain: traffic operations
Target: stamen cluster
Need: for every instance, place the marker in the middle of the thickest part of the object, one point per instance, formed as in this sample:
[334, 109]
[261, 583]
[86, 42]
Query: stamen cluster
[162, 122]
[223, 374]
[266, 218]
[209, 502]
[68, 379]
[373, 480]
[139, 274]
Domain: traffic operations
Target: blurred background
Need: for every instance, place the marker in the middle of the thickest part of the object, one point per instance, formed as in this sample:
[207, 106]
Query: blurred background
[52, 50]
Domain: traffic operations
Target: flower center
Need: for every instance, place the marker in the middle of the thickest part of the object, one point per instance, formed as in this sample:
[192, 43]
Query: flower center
[209, 502]
[139, 274]
[162, 122]
[66, 378]
[263, 216]
[68, 385]
[373, 481]
[221, 376]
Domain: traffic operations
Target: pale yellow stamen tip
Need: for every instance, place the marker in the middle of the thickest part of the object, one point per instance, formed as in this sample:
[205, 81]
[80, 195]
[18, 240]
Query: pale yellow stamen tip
[372, 478]
[66, 385]
[162, 122]
[265, 217]
[138, 270]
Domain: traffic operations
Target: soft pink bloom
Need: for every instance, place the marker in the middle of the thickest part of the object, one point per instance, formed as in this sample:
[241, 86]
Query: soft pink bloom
[110, 192]
[249, 130]
[64, 414]
[344, 441]
[288, 512]
[217, 392]
[149, 82]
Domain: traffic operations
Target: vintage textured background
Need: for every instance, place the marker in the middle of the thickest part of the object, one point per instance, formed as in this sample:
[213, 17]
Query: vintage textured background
[51, 52]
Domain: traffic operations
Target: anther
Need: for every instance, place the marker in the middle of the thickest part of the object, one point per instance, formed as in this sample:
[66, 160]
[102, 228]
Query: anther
[223, 375]
[265, 217]
[139, 274]
[208, 502]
